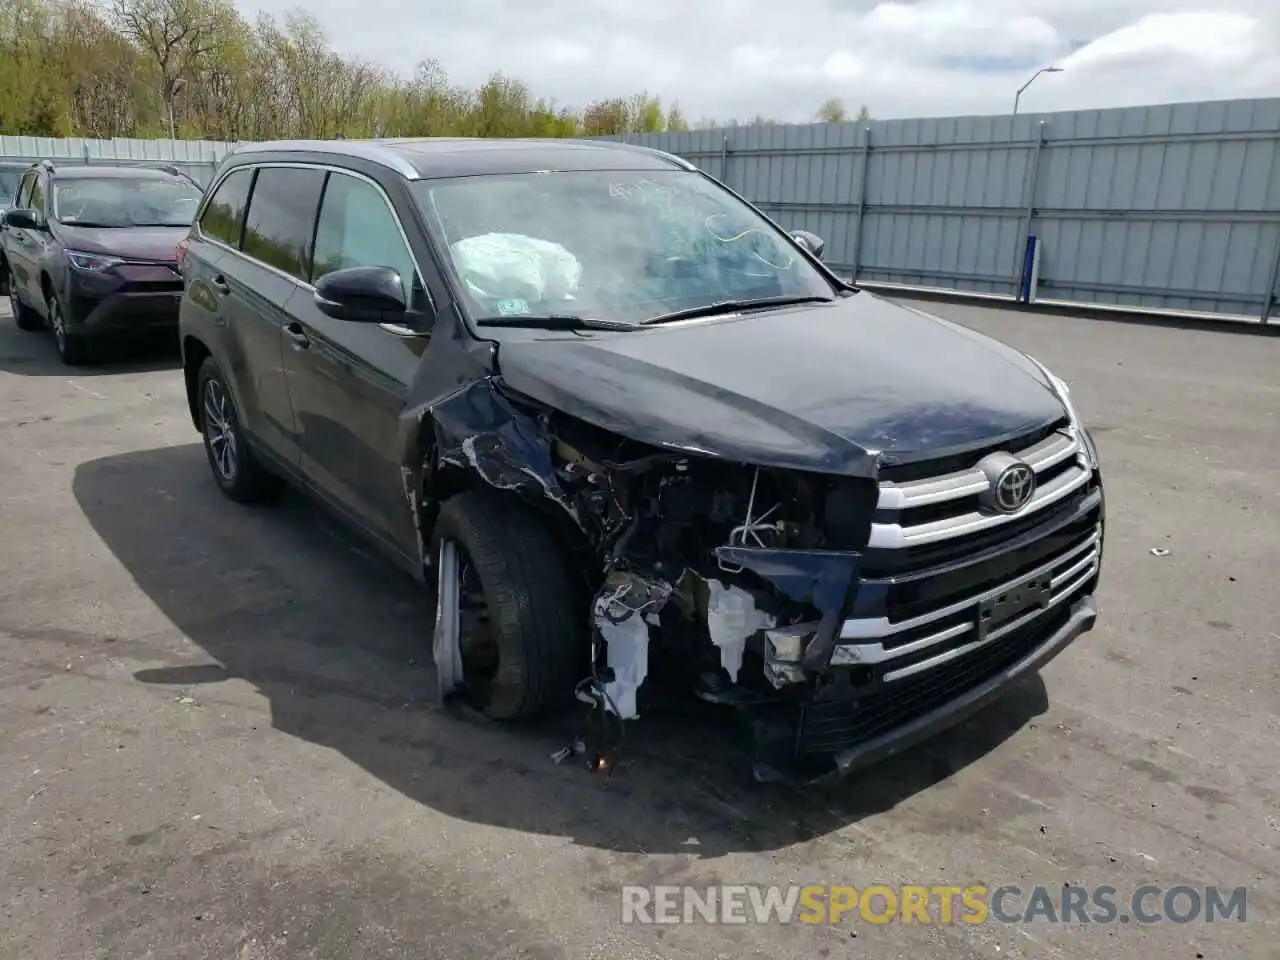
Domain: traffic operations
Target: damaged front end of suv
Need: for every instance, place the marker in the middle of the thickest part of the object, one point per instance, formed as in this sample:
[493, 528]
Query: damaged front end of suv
[850, 601]
[853, 521]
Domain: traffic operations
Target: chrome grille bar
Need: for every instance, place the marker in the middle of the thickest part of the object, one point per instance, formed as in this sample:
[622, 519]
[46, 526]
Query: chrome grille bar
[1058, 597]
[1052, 450]
[895, 536]
[869, 633]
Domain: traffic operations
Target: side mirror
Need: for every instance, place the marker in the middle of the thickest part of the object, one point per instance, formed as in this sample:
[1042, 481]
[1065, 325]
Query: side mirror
[362, 295]
[810, 241]
[22, 220]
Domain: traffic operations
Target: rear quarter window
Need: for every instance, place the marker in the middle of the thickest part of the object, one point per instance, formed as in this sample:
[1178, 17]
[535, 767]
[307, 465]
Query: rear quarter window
[224, 216]
[282, 218]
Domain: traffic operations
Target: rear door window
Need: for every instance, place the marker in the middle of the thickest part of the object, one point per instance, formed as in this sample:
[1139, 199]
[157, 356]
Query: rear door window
[282, 218]
[358, 229]
[224, 216]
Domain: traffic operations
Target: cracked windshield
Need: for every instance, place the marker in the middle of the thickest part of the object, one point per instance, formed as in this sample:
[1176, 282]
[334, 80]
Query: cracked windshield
[125, 202]
[614, 245]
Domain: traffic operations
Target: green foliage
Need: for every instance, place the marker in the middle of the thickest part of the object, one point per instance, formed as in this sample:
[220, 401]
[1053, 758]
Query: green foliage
[835, 111]
[92, 69]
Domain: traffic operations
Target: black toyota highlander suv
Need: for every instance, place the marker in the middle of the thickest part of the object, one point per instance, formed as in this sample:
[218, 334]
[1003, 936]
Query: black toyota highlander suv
[617, 417]
[91, 250]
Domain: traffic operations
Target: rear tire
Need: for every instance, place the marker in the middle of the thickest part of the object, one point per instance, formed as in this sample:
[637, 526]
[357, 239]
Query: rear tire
[535, 628]
[236, 470]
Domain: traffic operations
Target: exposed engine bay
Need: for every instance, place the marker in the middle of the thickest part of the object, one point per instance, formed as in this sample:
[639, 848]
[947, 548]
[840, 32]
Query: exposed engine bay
[723, 560]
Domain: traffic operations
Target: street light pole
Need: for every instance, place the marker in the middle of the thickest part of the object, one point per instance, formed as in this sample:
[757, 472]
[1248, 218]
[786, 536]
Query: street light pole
[1018, 95]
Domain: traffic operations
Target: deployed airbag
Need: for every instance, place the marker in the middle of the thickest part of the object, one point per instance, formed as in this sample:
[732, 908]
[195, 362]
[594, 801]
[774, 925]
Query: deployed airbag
[516, 267]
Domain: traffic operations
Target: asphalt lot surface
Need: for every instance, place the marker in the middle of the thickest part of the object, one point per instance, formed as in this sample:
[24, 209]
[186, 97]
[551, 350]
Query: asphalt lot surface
[219, 741]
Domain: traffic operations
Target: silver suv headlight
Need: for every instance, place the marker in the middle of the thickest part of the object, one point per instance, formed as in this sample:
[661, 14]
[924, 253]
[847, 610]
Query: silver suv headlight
[1064, 394]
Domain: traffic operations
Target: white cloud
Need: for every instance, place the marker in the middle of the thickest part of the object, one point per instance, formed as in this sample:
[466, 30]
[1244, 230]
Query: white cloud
[782, 58]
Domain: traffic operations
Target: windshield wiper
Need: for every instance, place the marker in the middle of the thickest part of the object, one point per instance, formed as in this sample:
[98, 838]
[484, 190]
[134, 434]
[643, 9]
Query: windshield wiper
[731, 306]
[554, 321]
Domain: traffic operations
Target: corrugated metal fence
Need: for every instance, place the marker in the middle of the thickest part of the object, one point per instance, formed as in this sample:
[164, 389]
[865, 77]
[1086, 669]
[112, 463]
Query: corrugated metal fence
[1164, 208]
[197, 158]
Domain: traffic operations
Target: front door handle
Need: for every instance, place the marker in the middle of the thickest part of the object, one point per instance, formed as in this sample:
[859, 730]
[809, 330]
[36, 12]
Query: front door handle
[299, 336]
[220, 284]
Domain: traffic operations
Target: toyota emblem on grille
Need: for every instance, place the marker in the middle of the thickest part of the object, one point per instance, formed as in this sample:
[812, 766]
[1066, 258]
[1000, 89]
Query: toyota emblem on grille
[1011, 483]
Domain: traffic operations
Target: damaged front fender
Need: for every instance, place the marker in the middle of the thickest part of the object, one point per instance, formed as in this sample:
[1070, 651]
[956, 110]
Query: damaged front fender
[480, 431]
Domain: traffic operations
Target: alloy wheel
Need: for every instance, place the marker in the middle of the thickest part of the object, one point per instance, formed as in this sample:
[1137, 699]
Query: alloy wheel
[219, 430]
[59, 327]
[466, 651]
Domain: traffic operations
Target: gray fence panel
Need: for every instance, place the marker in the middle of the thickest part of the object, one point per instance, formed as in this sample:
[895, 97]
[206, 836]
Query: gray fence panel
[197, 158]
[1171, 207]
[1167, 207]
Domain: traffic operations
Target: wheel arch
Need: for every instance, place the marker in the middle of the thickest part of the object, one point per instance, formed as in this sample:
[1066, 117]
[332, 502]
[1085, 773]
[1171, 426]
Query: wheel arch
[194, 353]
[475, 441]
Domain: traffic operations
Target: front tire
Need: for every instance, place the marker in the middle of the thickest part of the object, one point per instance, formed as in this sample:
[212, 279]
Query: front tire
[236, 470]
[72, 350]
[523, 652]
[26, 318]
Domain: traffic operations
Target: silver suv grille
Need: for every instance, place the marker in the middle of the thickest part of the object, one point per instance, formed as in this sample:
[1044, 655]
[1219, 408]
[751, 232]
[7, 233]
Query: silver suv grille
[937, 531]
[1055, 481]
[875, 641]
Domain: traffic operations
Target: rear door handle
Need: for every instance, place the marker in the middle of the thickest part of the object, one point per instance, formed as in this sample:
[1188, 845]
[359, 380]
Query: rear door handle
[220, 284]
[299, 336]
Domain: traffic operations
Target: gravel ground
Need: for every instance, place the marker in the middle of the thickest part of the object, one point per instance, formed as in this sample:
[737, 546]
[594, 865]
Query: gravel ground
[218, 740]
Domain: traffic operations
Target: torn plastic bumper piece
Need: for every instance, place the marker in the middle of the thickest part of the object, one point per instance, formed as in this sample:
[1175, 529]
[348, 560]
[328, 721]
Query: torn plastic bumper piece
[821, 579]
[1079, 620]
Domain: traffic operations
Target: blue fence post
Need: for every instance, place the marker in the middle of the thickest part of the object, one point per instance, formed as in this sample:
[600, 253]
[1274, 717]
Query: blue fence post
[1028, 268]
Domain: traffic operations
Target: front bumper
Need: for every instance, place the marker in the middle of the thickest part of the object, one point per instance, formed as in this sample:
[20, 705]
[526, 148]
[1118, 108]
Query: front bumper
[106, 306]
[1080, 619]
[902, 654]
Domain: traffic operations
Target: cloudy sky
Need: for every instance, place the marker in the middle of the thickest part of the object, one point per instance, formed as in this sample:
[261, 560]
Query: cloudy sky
[782, 58]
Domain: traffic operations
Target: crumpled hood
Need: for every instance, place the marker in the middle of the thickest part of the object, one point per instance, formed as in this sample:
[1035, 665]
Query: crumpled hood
[834, 388]
[140, 243]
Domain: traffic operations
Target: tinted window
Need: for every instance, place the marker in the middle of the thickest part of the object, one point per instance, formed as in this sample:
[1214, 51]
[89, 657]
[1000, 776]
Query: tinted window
[358, 229]
[282, 214]
[24, 193]
[224, 215]
[37, 194]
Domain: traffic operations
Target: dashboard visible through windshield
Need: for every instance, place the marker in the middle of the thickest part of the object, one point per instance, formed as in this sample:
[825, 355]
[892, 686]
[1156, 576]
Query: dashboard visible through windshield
[625, 246]
[125, 202]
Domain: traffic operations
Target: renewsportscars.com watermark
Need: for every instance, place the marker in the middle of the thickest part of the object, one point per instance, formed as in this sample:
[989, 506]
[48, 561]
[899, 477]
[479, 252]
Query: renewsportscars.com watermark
[933, 904]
